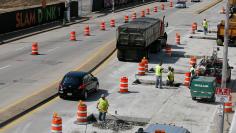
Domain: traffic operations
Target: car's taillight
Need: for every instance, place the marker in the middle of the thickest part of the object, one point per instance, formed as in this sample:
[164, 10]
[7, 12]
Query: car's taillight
[82, 86]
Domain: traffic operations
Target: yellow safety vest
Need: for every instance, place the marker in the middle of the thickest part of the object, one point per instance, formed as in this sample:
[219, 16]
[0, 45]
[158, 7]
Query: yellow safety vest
[170, 76]
[158, 70]
[103, 105]
[205, 24]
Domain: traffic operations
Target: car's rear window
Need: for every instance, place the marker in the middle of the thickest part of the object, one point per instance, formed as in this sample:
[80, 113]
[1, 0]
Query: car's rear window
[72, 80]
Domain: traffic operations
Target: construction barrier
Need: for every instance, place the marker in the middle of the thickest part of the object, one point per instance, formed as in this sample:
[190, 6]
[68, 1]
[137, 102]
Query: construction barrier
[147, 11]
[145, 61]
[193, 28]
[141, 69]
[171, 3]
[155, 9]
[162, 7]
[82, 113]
[168, 50]
[222, 11]
[142, 13]
[177, 38]
[124, 85]
[87, 31]
[112, 23]
[187, 78]
[228, 105]
[193, 60]
[56, 124]
[103, 26]
[134, 16]
[72, 36]
[34, 48]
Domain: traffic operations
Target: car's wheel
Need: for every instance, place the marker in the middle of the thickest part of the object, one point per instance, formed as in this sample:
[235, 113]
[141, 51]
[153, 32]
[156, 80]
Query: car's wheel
[96, 88]
[85, 95]
[61, 96]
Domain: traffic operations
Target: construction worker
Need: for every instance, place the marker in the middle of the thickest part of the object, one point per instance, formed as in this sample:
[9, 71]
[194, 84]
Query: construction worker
[102, 107]
[192, 70]
[170, 76]
[158, 71]
[205, 26]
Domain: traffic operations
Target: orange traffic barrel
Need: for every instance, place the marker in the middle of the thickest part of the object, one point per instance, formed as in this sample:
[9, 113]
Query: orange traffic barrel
[177, 38]
[160, 131]
[102, 26]
[126, 17]
[228, 107]
[171, 3]
[56, 124]
[82, 113]
[187, 78]
[193, 28]
[34, 48]
[162, 7]
[141, 69]
[222, 11]
[193, 60]
[123, 85]
[72, 36]
[168, 50]
[112, 22]
[87, 31]
[147, 11]
[142, 13]
[145, 61]
[134, 16]
[155, 9]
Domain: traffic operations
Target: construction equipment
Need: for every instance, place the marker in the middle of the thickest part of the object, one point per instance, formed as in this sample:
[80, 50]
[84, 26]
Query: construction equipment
[231, 31]
[139, 37]
[203, 87]
[212, 66]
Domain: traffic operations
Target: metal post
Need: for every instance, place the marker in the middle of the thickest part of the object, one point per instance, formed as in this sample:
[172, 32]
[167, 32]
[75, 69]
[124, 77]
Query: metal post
[113, 6]
[225, 60]
[221, 115]
[68, 10]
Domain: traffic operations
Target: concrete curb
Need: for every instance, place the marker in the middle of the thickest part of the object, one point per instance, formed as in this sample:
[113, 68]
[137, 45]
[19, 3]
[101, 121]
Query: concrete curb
[204, 8]
[38, 98]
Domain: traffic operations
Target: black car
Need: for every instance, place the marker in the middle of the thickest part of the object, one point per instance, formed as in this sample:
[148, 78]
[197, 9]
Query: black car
[78, 85]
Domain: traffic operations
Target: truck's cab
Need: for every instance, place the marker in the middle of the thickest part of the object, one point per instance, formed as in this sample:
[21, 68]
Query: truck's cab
[203, 87]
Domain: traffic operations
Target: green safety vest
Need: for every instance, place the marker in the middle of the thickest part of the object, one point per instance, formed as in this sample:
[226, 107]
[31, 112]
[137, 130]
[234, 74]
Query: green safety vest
[192, 70]
[158, 70]
[103, 105]
[170, 76]
[205, 24]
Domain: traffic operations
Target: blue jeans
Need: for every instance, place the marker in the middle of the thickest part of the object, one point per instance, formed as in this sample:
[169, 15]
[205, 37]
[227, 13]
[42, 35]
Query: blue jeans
[159, 82]
[205, 31]
[102, 116]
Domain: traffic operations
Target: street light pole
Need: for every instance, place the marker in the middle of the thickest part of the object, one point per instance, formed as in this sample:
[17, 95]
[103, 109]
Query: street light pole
[225, 60]
[113, 6]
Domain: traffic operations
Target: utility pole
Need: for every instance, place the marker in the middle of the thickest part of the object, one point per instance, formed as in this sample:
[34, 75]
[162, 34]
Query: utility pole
[113, 6]
[225, 65]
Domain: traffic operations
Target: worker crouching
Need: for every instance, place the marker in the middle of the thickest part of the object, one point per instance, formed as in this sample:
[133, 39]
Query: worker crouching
[102, 107]
[170, 77]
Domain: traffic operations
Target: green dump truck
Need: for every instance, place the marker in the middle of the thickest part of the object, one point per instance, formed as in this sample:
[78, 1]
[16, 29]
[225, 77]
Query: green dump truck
[202, 87]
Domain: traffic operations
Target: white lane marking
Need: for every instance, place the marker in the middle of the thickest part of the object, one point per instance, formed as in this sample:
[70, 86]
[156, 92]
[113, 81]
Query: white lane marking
[5, 67]
[21, 48]
[50, 50]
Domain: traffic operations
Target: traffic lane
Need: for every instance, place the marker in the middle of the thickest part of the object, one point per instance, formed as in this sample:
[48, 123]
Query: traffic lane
[27, 75]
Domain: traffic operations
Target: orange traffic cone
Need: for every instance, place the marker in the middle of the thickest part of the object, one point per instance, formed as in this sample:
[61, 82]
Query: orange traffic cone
[72, 36]
[177, 38]
[155, 9]
[34, 48]
[145, 61]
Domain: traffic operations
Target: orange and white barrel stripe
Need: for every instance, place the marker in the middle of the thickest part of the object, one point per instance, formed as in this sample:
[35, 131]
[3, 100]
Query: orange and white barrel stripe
[87, 31]
[56, 125]
[123, 84]
[141, 69]
[102, 26]
[187, 78]
[82, 113]
[34, 48]
[229, 105]
[177, 38]
[112, 22]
